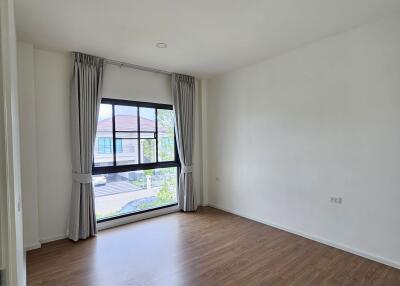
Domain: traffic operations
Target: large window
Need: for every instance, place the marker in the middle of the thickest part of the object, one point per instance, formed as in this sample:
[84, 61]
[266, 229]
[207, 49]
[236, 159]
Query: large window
[135, 162]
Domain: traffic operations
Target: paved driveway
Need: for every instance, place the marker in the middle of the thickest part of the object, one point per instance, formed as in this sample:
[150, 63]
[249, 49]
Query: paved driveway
[112, 188]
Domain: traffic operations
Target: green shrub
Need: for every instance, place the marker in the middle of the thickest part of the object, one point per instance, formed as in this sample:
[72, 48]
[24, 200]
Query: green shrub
[164, 195]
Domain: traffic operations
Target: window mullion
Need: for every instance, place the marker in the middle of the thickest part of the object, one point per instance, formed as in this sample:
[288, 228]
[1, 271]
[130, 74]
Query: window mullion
[138, 128]
[156, 134]
[113, 137]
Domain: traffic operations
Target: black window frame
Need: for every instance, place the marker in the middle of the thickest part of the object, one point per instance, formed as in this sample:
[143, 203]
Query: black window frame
[140, 166]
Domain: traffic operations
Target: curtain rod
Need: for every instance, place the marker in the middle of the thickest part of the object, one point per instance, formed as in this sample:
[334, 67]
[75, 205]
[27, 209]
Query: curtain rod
[137, 67]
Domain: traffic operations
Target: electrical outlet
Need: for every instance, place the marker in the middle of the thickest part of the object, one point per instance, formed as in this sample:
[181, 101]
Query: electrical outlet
[336, 200]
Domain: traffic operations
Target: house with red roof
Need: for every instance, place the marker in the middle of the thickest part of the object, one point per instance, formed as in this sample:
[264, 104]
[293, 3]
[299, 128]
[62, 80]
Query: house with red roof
[127, 146]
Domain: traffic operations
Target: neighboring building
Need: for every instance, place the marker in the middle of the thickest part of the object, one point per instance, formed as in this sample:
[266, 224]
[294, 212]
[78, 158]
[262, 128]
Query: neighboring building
[126, 143]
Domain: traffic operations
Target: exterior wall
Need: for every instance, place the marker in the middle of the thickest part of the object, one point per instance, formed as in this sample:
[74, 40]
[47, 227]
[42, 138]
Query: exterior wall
[129, 151]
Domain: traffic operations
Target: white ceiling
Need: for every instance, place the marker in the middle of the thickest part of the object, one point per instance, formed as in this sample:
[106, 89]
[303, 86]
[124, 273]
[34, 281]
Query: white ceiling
[205, 37]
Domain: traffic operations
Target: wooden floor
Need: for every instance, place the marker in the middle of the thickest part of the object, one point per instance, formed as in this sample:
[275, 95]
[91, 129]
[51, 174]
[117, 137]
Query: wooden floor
[209, 247]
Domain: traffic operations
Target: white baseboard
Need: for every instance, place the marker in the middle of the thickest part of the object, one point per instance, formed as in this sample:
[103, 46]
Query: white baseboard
[32, 246]
[316, 238]
[43, 241]
[108, 224]
[53, 238]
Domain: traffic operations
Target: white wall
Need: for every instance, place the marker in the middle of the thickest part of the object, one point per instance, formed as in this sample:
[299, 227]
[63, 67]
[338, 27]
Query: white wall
[45, 142]
[130, 84]
[27, 120]
[52, 79]
[48, 118]
[286, 134]
[12, 255]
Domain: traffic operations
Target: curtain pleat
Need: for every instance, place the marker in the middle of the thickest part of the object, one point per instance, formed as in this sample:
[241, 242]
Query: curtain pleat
[85, 103]
[183, 94]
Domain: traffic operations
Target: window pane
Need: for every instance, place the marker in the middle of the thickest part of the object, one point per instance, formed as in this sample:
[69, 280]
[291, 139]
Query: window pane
[126, 146]
[166, 142]
[147, 130]
[147, 119]
[126, 151]
[103, 148]
[129, 192]
[125, 118]
[150, 135]
[148, 150]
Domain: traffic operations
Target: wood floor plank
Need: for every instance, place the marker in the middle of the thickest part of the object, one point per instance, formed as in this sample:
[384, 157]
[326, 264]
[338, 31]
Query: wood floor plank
[209, 247]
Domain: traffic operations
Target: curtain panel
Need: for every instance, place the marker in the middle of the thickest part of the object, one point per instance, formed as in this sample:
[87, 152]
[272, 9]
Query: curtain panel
[85, 102]
[183, 95]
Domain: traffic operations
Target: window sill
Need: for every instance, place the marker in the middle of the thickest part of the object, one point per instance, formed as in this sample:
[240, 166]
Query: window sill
[136, 216]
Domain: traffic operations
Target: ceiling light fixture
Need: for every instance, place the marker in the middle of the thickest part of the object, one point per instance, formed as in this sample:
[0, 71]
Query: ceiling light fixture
[161, 45]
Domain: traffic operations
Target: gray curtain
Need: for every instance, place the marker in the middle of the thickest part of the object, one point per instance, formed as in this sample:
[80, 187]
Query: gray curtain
[85, 103]
[183, 94]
